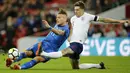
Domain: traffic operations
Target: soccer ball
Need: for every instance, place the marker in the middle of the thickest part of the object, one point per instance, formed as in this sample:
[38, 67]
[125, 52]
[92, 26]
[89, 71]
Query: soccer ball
[13, 53]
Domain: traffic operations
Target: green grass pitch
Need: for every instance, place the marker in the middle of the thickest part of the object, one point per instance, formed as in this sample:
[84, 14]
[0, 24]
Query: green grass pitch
[116, 64]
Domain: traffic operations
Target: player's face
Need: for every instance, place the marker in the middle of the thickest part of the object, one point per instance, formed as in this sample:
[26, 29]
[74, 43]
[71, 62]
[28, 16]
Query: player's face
[78, 11]
[61, 19]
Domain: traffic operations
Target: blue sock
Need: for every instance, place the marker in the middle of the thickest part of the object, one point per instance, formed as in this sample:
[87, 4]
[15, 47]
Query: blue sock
[22, 55]
[29, 64]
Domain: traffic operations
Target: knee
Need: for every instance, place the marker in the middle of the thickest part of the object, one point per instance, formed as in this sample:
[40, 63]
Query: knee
[67, 51]
[29, 53]
[39, 59]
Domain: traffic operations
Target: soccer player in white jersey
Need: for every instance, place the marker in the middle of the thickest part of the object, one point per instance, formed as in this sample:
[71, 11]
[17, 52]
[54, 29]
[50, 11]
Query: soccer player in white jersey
[80, 25]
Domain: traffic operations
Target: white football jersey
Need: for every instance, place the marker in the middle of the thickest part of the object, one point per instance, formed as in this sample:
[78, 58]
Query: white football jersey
[80, 27]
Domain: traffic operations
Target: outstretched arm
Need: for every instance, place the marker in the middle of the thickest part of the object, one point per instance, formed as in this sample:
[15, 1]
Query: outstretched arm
[56, 31]
[110, 20]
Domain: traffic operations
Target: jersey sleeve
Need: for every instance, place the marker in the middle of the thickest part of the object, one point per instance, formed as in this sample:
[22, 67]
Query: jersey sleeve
[93, 17]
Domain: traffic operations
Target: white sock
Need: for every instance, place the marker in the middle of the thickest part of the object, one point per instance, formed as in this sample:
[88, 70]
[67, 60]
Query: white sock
[88, 66]
[52, 54]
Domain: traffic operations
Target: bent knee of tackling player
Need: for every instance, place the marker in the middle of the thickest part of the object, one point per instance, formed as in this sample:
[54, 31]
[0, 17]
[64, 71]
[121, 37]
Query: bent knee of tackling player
[67, 51]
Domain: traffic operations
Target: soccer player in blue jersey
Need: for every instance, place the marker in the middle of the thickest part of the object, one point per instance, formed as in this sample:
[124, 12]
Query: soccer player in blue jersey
[51, 43]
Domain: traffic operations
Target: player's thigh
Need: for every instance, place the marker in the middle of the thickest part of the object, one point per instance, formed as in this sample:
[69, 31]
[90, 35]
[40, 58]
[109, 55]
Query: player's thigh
[33, 48]
[67, 51]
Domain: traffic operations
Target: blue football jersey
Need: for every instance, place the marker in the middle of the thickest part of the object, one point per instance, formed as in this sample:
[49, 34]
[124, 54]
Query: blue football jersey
[54, 40]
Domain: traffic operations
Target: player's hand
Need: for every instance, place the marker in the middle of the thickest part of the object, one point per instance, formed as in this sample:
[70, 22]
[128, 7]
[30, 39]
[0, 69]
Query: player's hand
[122, 21]
[127, 21]
[46, 24]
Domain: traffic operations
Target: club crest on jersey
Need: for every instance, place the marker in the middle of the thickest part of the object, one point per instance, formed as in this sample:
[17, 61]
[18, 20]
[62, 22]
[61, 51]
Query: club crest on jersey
[82, 18]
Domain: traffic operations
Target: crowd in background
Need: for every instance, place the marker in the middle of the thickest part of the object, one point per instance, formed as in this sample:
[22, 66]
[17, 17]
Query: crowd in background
[109, 30]
[101, 5]
[20, 18]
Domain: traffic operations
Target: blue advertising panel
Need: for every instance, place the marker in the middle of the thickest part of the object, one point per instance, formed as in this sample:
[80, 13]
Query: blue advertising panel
[107, 47]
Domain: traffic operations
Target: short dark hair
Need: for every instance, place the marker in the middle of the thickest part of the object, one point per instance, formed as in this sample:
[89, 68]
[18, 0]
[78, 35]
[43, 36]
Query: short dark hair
[62, 11]
[80, 4]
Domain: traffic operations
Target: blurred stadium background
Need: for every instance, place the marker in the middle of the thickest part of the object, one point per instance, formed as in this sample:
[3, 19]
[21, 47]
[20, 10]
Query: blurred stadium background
[20, 25]
[21, 18]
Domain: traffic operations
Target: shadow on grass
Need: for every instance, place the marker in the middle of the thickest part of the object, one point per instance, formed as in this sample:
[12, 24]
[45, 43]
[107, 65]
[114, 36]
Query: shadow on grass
[38, 69]
[48, 69]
